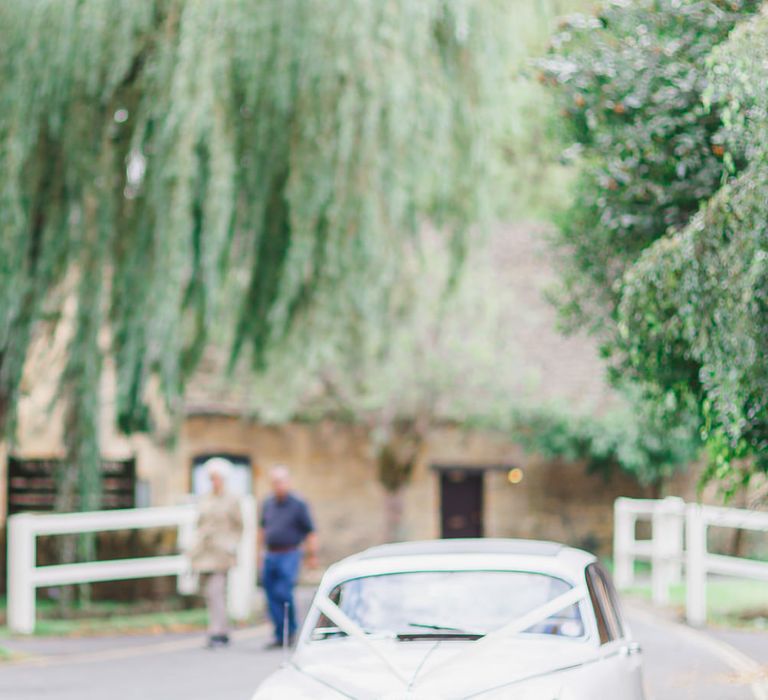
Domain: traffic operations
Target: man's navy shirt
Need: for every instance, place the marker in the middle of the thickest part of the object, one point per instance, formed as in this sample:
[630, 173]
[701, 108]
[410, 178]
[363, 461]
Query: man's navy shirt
[286, 523]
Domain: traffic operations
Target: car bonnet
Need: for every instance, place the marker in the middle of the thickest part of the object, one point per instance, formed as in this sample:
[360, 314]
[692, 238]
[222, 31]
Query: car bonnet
[438, 669]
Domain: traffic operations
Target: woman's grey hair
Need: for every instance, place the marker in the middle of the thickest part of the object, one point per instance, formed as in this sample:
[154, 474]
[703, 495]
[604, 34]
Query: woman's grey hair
[219, 466]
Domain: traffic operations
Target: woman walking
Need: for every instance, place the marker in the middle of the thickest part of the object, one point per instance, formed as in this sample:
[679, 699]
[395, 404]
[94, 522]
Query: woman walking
[219, 528]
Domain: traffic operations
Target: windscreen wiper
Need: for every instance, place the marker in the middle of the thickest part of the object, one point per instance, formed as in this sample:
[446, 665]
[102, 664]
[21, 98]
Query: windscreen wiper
[410, 636]
[427, 626]
[440, 632]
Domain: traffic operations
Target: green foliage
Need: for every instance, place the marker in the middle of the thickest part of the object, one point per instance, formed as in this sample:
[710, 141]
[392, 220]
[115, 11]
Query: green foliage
[702, 294]
[152, 149]
[533, 177]
[644, 445]
[629, 83]
[436, 357]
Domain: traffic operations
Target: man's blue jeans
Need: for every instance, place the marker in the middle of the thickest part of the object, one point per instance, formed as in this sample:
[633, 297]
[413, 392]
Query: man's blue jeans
[281, 571]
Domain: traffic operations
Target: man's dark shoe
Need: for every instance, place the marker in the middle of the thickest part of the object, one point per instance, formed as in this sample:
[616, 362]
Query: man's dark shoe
[274, 644]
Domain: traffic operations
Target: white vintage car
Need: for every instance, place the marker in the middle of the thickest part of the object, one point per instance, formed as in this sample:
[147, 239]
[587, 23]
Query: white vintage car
[451, 619]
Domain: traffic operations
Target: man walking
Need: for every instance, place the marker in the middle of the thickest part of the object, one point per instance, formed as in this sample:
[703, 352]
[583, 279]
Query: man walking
[286, 524]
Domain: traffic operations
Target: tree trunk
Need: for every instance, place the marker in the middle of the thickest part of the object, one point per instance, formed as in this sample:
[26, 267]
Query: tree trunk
[66, 546]
[393, 509]
[397, 458]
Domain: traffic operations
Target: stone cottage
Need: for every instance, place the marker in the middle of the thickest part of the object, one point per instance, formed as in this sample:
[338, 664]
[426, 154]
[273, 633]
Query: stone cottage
[466, 482]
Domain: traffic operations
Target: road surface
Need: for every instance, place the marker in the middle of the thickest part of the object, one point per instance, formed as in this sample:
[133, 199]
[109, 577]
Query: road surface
[679, 665]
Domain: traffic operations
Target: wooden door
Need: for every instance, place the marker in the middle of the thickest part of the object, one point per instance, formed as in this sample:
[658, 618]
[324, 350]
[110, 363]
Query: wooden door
[461, 503]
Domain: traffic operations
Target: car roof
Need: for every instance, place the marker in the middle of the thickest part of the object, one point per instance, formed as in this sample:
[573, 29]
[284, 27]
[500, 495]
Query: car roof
[463, 546]
[459, 554]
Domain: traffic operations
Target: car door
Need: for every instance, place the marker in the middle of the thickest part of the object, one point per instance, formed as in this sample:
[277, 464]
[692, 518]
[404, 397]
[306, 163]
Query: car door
[621, 663]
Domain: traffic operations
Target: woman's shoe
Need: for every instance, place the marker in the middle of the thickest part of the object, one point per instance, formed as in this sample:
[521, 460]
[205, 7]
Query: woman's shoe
[217, 640]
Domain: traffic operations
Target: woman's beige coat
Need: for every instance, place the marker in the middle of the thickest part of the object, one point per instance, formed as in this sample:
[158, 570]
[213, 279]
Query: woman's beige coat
[219, 528]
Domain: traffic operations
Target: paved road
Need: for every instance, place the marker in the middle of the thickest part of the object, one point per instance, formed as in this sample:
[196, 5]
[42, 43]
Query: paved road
[165, 673]
[678, 667]
[681, 664]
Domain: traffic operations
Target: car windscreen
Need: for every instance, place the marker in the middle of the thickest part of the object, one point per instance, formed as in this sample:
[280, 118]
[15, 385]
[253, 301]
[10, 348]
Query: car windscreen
[426, 603]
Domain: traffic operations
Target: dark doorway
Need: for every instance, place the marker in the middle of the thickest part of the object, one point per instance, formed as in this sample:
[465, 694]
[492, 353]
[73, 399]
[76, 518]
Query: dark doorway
[461, 503]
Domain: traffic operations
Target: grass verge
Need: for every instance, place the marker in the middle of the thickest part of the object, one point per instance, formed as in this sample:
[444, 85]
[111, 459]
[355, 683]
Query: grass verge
[730, 602]
[105, 618]
[147, 623]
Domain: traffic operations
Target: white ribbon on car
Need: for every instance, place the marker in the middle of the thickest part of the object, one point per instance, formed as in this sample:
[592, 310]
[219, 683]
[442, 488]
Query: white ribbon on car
[540, 614]
[520, 624]
[348, 625]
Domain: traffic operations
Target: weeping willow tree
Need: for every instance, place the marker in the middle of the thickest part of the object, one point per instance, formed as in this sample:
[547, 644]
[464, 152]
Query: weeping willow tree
[152, 149]
[439, 359]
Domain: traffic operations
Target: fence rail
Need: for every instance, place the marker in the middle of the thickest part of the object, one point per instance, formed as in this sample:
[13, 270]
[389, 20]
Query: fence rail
[24, 576]
[678, 545]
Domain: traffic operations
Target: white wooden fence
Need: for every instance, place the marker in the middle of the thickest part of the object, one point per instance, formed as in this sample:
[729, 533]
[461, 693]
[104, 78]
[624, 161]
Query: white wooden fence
[664, 549]
[678, 544]
[24, 576]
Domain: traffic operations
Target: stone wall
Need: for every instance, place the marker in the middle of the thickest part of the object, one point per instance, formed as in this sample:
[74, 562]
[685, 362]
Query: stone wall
[333, 468]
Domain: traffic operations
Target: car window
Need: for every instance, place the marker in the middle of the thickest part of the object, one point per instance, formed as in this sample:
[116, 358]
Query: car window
[475, 602]
[613, 599]
[604, 601]
[325, 627]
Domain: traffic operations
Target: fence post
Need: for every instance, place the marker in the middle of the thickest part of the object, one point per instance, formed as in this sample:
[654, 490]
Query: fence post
[667, 547]
[20, 567]
[623, 541]
[696, 572]
[188, 582]
[677, 540]
[242, 578]
[659, 583]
